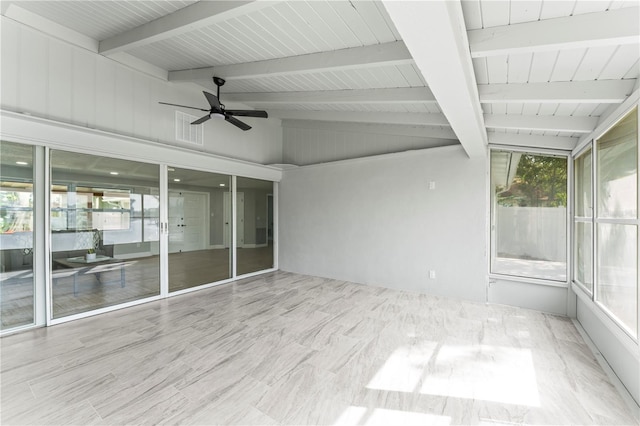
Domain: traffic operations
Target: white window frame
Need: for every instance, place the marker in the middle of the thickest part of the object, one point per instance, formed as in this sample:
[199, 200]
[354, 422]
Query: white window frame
[569, 234]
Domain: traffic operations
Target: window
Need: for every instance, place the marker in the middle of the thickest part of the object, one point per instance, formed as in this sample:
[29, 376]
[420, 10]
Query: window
[85, 208]
[583, 221]
[529, 215]
[616, 221]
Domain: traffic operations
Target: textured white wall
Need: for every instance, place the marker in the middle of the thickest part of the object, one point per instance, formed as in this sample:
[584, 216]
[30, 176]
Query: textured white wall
[375, 221]
[53, 79]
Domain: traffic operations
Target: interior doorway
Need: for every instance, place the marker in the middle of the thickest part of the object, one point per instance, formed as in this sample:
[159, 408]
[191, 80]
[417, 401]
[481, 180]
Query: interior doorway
[187, 220]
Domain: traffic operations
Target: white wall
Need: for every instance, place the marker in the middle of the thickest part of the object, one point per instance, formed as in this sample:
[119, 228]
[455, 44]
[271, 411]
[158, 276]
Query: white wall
[541, 297]
[375, 221]
[53, 79]
[315, 142]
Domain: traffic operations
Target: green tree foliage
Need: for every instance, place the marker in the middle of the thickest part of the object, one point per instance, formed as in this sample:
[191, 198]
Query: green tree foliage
[540, 181]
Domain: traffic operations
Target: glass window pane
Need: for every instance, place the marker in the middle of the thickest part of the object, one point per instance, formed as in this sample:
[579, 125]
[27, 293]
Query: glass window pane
[583, 261]
[99, 254]
[16, 235]
[617, 178]
[254, 233]
[199, 228]
[617, 265]
[582, 171]
[529, 200]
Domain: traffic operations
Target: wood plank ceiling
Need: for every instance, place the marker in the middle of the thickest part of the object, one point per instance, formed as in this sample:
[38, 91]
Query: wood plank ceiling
[532, 73]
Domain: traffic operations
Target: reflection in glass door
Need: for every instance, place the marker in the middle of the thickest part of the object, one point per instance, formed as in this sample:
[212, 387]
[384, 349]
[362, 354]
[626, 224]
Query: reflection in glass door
[199, 228]
[254, 247]
[104, 232]
[16, 235]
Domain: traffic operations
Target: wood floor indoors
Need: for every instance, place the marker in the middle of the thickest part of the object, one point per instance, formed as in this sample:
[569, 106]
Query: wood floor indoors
[282, 348]
[81, 291]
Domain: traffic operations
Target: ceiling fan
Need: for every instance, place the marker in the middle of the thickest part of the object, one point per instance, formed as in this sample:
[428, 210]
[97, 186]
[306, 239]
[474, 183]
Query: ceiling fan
[219, 109]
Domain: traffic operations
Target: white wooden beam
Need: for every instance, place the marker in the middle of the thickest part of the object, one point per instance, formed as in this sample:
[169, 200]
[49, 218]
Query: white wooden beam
[439, 134]
[392, 53]
[192, 17]
[49, 27]
[435, 34]
[138, 64]
[541, 122]
[407, 118]
[613, 27]
[358, 96]
[533, 141]
[192, 75]
[597, 91]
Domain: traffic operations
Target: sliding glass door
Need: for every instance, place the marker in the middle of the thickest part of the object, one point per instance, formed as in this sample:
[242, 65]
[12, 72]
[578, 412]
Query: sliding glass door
[104, 220]
[112, 234]
[199, 226]
[16, 236]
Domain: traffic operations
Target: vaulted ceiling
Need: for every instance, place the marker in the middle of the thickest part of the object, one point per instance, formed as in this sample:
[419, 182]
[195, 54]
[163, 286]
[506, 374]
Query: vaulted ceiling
[532, 73]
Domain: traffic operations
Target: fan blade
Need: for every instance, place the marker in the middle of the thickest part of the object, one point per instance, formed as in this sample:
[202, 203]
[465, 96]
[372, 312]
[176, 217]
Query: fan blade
[247, 113]
[237, 123]
[183, 106]
[202, 120]
[213, 100]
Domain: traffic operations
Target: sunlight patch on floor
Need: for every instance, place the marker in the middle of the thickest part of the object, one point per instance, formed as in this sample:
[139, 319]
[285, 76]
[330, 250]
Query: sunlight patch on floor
[483, 372]
[489, 373]
[404, 368]
[380, 416]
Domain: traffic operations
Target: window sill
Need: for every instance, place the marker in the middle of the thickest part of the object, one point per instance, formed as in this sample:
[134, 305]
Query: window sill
[526, 280]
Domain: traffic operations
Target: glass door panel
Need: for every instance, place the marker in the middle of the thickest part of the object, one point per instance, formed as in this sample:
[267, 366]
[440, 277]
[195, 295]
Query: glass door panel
[199, 228]
[254, 210]
[104, 232]
[16, 235]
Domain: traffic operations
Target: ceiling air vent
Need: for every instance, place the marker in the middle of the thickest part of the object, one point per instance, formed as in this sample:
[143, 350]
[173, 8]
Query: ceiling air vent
[185, 131]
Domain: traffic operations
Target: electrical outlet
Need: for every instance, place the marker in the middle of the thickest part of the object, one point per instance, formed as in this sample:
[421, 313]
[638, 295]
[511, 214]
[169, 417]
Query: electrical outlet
[432, 185]
[432, 275]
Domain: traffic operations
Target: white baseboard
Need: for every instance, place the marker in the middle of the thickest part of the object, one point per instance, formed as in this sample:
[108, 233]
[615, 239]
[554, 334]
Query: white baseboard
[216, 246]
[253, 245]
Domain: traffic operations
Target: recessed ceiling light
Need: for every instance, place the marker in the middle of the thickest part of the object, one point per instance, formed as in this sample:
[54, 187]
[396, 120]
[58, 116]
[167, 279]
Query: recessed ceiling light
[114, 173]
[22, 163]
[176, 180]
[222, 184]
[171, 169]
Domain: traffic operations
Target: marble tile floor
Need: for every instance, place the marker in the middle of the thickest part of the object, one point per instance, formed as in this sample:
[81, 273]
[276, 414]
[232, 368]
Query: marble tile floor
[283, 348]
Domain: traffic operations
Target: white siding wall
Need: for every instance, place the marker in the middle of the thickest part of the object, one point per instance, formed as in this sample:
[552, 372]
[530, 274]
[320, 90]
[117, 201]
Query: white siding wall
[53, 79]
[375, 221]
